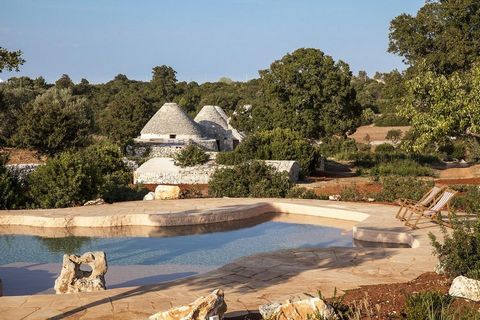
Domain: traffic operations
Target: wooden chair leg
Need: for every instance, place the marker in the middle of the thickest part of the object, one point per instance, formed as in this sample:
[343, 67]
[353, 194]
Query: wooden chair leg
[399, 212]
[414, 225]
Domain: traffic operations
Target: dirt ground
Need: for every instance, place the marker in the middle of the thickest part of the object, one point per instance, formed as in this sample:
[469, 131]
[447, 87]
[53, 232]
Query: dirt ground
[375, 133]
[19, 156]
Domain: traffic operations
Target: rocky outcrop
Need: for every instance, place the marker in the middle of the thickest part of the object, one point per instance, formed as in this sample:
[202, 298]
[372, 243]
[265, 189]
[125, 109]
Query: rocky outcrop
[95, 202]
[201, 309]
[72, 279]
[300, 310]
[463, 287]
[163, 192]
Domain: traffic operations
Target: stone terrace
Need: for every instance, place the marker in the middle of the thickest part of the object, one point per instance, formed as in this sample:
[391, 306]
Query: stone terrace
[247, 282]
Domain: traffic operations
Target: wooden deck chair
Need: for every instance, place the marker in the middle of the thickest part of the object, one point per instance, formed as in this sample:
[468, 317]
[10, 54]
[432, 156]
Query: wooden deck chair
[424, 203]
[434, 212]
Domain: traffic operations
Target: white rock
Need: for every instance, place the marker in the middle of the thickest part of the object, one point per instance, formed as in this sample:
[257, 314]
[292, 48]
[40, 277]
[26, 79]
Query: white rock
[463, 287]
[163, 192]
[335, 197]
[203, 308]
[73, 279]
[94, 202]
[299, 310]
[149, 196]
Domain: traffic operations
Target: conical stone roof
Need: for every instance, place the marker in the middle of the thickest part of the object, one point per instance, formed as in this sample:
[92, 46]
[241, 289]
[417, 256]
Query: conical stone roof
[170, 119]
[210, 115]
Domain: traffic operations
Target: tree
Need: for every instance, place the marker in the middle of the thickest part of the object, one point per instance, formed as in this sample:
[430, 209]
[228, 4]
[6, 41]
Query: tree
[394, 135]
[125, 116]
[441, 107]
[10, 60]
[444, 33]
[163, 81]
[308, 92]
[54, 122]
[64, 82]
[9, 187]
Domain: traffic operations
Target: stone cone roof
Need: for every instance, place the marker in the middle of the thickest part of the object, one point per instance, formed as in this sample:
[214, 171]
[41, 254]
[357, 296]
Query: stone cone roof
[170, 119]
[210, 115]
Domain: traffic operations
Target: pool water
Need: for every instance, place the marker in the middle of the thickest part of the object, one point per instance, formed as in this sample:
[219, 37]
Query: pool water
[207, 249]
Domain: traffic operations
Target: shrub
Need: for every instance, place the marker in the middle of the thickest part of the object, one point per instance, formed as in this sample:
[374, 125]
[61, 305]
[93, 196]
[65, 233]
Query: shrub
[72, 178]
[468, 200]
[277, 144]
[191, 155]
[402, 168]
[390, 120]
[384, 147]
[336, 145]
[427, 306]
[396, 187]
[10, 193]
[459, 254]
[394, 135]
[301, 193]
[249, 179]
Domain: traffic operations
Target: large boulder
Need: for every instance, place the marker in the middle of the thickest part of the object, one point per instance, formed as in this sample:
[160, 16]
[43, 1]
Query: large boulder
[72, 279]
[463, 287]
[201, 309]
[163, 192]
[299, 310]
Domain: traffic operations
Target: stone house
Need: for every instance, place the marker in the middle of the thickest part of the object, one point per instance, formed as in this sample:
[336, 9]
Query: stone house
[171, 129]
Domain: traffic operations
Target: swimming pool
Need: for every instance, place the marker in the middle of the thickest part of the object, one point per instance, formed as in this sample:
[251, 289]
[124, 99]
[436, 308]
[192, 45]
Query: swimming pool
[179, 252]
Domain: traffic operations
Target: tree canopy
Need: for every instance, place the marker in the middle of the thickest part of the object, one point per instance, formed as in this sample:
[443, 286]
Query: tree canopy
[10, 60]
[444, 33]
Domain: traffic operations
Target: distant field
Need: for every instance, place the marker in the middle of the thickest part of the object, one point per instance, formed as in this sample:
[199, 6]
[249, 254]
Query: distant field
[377, 134]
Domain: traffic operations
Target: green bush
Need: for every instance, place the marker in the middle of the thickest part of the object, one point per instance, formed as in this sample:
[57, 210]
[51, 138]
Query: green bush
[249, 179]
[72, 178]
[459, 254]
[401, 168]
[384, 147]
[10, 191]
[277, 144]
[191, 155]
[394, 135]
[301, 193]
[396, 187]
[468, 200]
[391, 120]
[335, 146]
[427, 306]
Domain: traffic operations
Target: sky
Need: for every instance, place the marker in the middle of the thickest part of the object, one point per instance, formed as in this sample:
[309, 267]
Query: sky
[202, 40]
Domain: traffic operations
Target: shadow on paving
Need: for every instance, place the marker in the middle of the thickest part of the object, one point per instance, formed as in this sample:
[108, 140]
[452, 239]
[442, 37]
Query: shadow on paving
[254, 273]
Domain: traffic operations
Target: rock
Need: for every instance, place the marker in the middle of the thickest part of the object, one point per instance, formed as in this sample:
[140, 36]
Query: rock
[268, 310]
[335, 197]
[94, 202]
[201, 309]
[73, 279]
[463, 287]
[439, 268]
[149, 196]
[299, 310]
[163, 192]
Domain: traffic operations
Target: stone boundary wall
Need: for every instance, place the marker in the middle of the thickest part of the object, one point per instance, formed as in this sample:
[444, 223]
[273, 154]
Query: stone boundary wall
[22, 171]
[166, 150]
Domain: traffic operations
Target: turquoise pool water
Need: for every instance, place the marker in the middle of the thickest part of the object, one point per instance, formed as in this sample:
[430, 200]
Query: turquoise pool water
[210, 248]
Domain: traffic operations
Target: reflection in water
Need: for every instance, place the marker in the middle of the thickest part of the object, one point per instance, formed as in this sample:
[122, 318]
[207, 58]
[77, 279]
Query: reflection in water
[69, 245]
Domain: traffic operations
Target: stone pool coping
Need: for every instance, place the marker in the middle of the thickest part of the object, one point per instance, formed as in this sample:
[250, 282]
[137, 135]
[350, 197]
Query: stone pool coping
[249, 281]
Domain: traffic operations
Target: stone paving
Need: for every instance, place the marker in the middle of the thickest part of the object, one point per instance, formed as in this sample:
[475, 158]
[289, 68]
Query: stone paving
[251, 281]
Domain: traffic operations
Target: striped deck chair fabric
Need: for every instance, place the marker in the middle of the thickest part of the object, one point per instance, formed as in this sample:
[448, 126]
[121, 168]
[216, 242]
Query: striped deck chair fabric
[424, 202]
[433, 213]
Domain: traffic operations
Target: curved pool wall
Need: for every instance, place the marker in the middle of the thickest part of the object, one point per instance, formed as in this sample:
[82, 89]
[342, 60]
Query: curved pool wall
[90, 217]
[29, 264]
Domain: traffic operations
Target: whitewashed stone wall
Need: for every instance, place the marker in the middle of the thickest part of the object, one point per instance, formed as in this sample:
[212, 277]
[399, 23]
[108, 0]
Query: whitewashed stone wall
[164, 171]
[22, 171]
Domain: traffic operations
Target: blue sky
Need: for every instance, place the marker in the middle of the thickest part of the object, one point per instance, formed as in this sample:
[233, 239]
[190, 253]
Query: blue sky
[202, 40]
